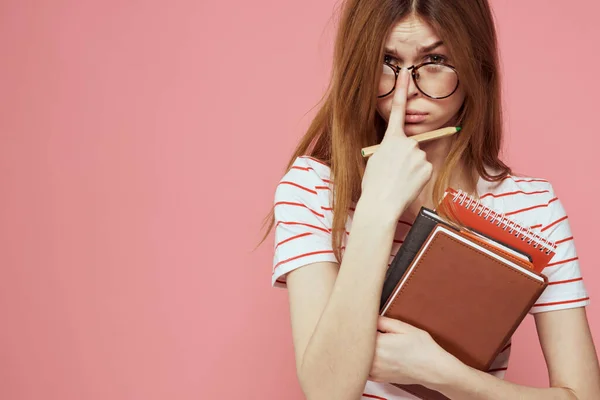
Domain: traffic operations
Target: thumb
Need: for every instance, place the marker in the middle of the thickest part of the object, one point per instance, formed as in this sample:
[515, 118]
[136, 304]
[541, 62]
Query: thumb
[391, 325]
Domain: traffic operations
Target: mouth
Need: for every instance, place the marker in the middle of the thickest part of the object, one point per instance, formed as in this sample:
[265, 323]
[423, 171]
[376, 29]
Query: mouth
[415, 117]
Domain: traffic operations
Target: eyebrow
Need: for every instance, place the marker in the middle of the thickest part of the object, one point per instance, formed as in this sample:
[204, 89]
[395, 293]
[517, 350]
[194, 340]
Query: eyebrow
[420, 49]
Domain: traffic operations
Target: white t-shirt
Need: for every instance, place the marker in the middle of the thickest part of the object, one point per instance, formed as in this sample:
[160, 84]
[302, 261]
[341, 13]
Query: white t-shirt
[303, 218]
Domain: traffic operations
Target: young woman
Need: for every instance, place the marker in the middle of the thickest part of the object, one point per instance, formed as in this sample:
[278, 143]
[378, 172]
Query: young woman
[404, 67]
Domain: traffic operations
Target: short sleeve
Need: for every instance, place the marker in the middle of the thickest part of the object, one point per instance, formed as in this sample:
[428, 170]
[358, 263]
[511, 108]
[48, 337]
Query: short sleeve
[565, 282]
[302, 219]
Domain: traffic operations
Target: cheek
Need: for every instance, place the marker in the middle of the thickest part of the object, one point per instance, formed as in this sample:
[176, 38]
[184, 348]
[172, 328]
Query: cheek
[447, 108]
[384, 108]
[457, 100]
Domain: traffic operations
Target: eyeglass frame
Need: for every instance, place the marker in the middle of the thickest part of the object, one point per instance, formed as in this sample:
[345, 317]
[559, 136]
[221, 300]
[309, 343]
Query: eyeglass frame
[412, 69]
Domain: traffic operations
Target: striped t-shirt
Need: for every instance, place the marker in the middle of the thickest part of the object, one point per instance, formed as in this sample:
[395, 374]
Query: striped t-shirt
[303, 218]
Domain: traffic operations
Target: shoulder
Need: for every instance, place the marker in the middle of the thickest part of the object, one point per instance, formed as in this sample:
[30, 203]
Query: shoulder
[529, 199]
[516, 187]
[303, 218]
[306, 178]
[310, 164]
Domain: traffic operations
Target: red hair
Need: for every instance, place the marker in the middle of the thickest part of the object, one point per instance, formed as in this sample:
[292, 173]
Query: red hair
[348, 120]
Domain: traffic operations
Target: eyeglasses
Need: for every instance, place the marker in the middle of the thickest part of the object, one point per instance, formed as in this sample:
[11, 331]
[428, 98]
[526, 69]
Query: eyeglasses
[433, 79]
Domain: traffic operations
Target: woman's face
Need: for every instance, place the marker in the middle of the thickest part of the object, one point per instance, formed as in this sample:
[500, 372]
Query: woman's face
[404, 47]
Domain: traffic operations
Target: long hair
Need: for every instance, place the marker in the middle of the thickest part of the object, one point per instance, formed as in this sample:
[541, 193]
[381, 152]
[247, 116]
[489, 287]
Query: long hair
[348, 119]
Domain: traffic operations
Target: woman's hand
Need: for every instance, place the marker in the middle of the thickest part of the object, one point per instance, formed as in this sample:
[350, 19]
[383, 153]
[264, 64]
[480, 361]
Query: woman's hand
[405, 354]
[397, 172]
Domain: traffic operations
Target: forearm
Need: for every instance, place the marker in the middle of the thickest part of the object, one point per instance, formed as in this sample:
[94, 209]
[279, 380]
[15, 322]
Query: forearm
[337, 360]
[466, 383]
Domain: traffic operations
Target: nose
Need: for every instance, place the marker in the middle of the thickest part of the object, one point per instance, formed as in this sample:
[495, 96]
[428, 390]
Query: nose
[412, 88]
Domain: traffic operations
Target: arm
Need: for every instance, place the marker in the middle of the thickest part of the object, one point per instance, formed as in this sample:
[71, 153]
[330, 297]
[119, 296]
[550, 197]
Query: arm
[570, 355]
[334, 314]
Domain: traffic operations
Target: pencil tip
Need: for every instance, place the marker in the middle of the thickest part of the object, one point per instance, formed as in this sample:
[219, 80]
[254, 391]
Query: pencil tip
[458, 128]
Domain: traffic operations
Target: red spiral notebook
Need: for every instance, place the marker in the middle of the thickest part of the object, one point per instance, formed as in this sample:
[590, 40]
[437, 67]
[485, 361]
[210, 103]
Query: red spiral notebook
[471, 213]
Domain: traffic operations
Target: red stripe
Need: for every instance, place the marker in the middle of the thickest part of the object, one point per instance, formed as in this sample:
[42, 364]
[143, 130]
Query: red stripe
[292, 238]
[289, 203]
[567, 281]
[497, 369]
[299, 186]
[531, 208]
[315, 160]
[303, 224]
[562, 262]
[564, 240]
[322, 187]
[303, 255]
[525, 180]
[512, 193]
[372, 396]
[561, 302]
[535, 226]
[554, 223]
[302, 168]
[309, 225]
[311, 168]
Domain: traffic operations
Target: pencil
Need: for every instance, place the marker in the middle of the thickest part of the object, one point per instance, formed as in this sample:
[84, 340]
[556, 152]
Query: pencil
[422, 137]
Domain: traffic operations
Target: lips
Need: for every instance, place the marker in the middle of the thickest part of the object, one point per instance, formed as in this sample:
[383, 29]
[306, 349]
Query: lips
[415, 117]
[414, 112]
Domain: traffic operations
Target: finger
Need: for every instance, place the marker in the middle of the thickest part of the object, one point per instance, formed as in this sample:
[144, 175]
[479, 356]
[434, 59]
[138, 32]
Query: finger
[391, 325]
[397, 115]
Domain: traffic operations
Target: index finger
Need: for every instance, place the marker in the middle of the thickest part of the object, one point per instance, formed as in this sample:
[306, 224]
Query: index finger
[397, 115]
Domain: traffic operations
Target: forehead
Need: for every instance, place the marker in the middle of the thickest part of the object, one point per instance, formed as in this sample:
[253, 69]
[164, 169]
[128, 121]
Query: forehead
[411, 31]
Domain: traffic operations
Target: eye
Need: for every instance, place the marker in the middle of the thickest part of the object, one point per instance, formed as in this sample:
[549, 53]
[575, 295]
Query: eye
[390, 59]
[437, 58]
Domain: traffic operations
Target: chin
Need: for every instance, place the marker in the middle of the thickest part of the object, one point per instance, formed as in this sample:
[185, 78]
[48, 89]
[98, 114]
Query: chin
[415, 129]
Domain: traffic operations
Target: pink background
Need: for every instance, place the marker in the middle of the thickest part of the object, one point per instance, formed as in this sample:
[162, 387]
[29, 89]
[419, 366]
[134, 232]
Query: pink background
[141, 143]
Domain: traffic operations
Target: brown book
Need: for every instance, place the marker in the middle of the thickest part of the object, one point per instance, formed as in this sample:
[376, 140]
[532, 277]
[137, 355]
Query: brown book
[469, 297]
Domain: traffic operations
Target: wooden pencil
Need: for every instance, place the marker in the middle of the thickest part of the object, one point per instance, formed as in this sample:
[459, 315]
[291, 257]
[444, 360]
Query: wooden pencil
[422, 137]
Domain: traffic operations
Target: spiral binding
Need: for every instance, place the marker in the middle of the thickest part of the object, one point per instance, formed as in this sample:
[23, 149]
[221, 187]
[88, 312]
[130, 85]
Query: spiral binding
[503, 221]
